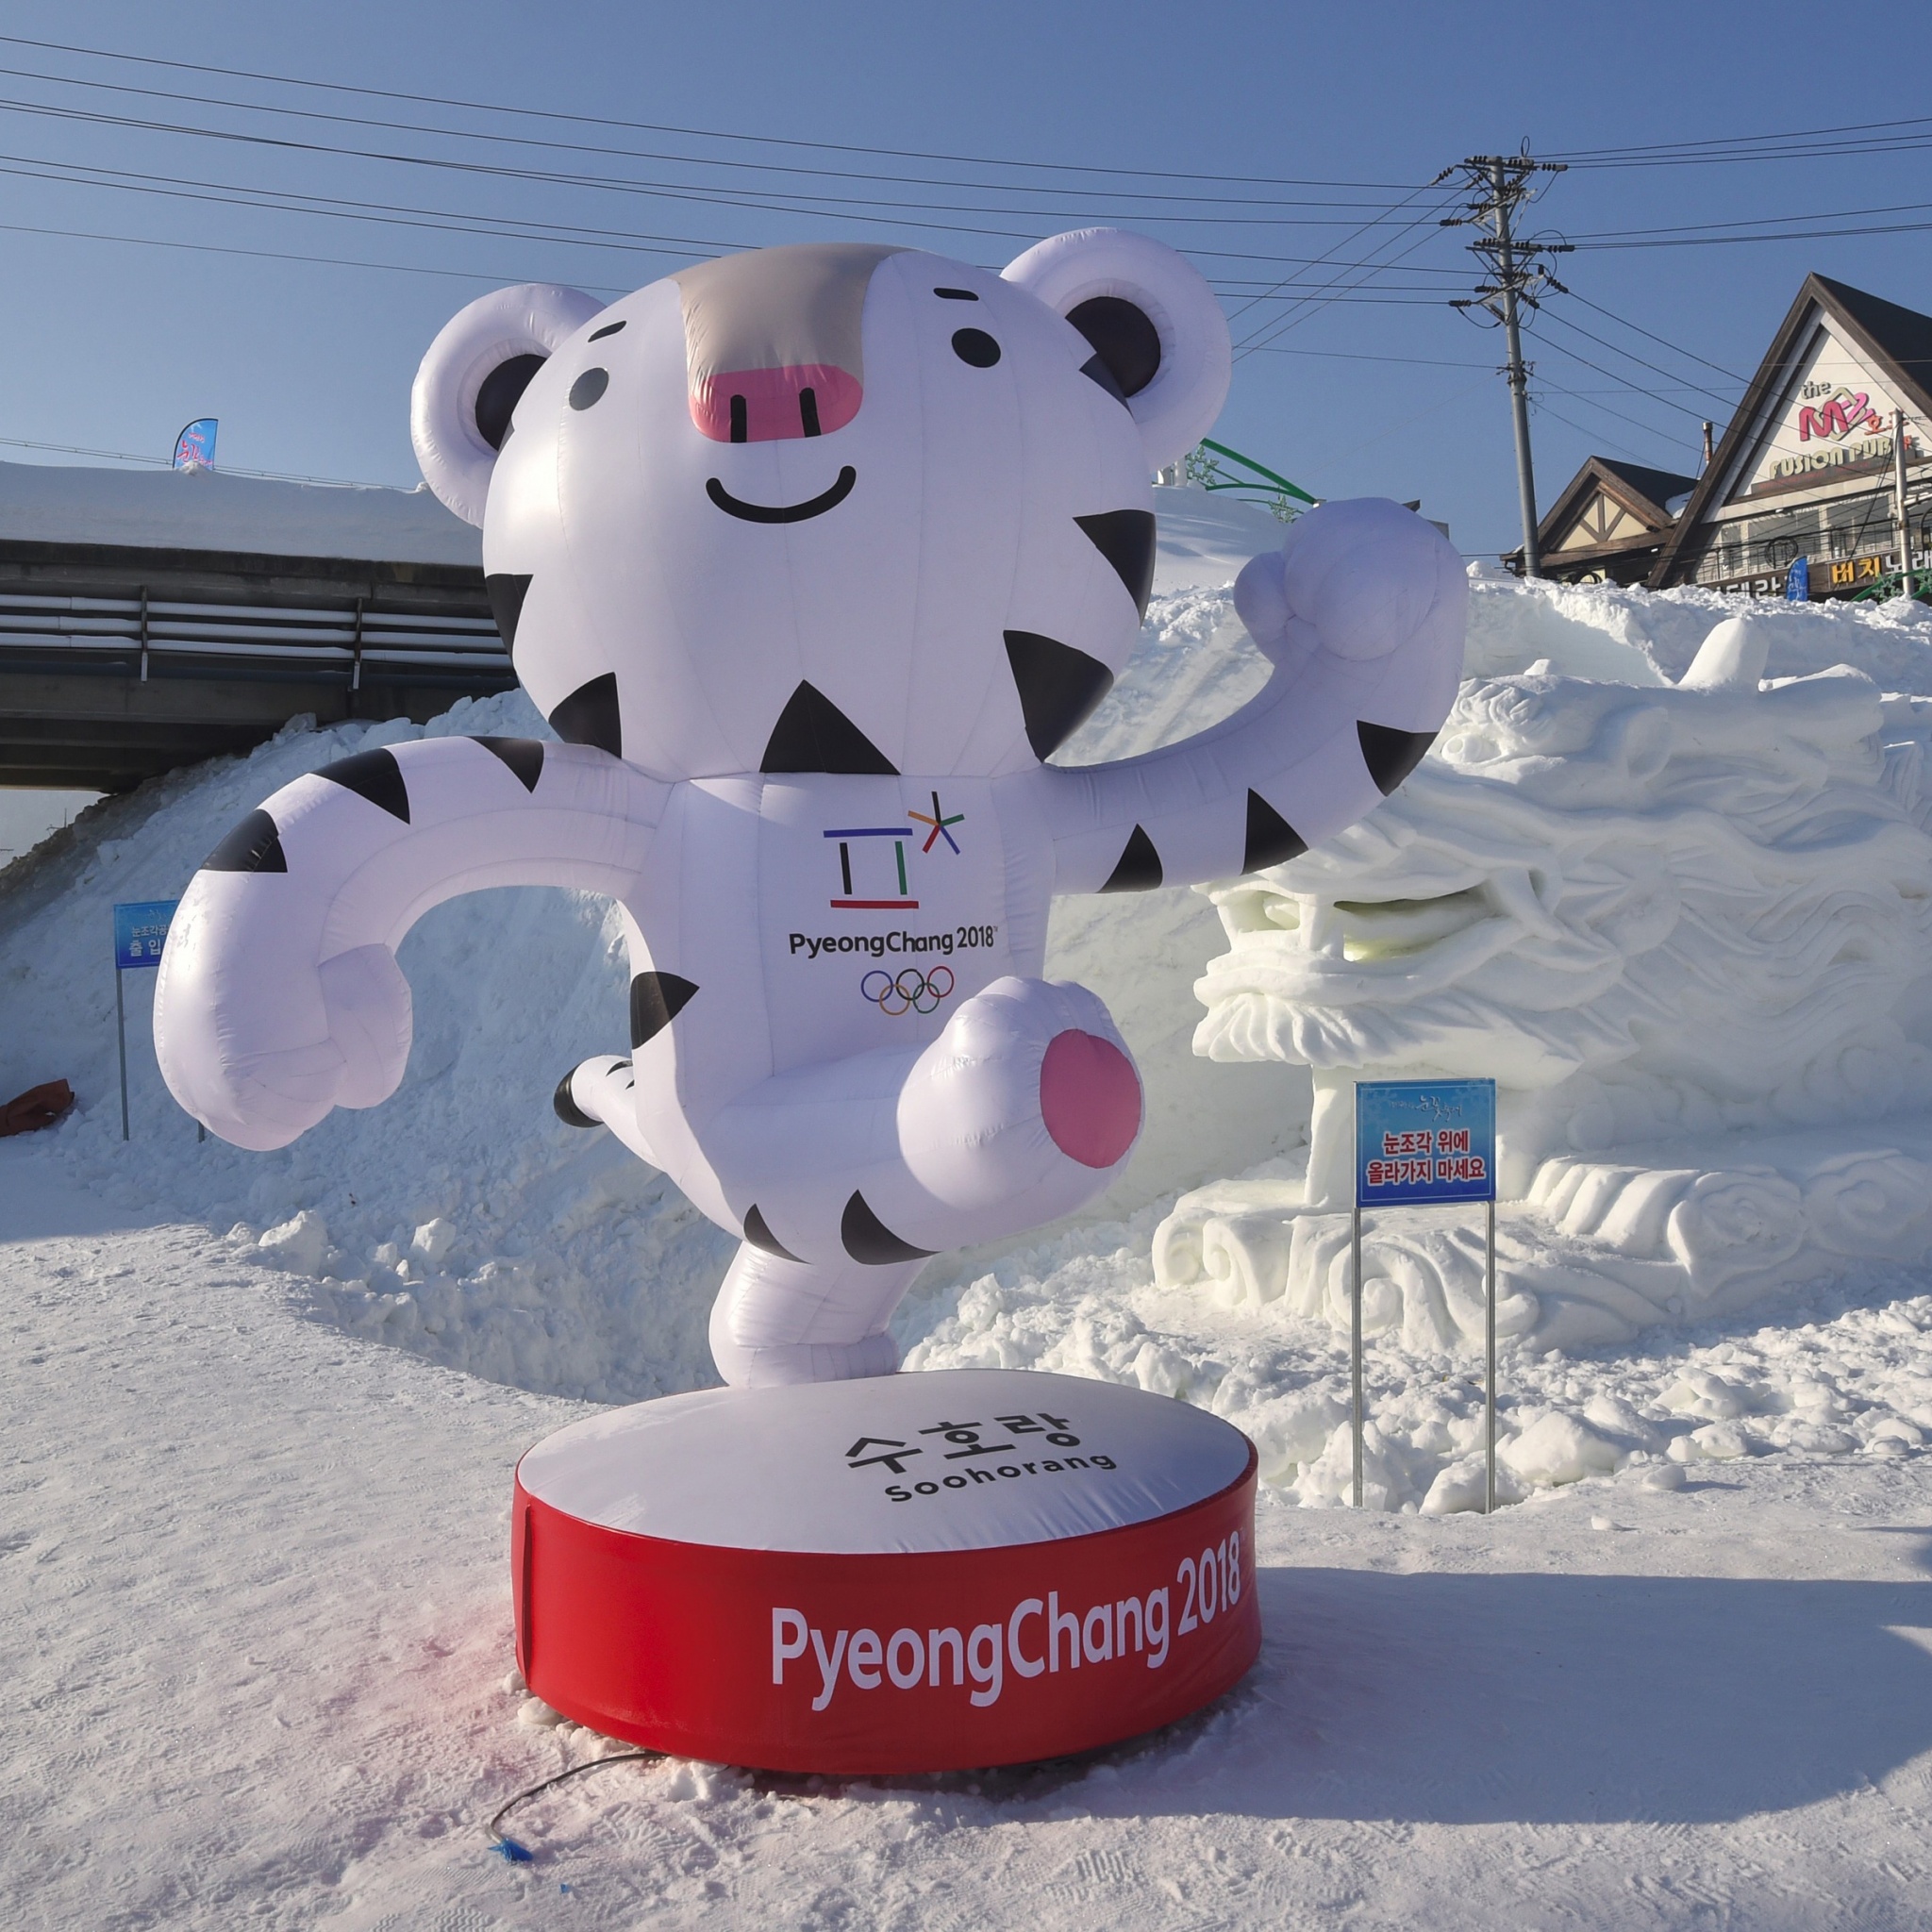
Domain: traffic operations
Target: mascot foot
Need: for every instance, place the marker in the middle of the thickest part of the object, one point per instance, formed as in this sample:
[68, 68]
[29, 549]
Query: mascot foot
[776, 1365]
[582, 1095]
[602, 1092]
[1022, 1111]
[777, 1321]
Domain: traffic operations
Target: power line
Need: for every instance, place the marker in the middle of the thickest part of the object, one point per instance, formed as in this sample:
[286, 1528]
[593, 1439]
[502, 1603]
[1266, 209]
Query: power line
[1584, 396]
[491, 138]
[1353, 355]
[499, 107]
[398, 268]
[1631, 355]
[774, 201]
[226, 194]
[792, 197]
[1802, 152]
[494, 276]
[1335, 290]
[456, 222]
[1578, 157]
[1756, 220]
[1676, 349]
[1778, 235]
[1594, 436]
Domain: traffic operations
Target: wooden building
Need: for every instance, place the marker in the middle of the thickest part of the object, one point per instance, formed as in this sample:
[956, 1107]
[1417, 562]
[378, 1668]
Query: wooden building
[1805, 468]
[1610, 523]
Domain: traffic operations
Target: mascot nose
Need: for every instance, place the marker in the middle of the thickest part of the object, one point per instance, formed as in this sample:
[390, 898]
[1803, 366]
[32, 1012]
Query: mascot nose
[763, 405]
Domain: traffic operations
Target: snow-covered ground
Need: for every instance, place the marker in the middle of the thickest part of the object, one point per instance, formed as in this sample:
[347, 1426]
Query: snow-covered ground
[260, 1411]
[257, 1637]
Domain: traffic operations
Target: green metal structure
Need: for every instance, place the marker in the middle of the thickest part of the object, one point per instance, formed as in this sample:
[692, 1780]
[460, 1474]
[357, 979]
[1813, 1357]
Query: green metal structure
[1883, 589]
[1286, 500]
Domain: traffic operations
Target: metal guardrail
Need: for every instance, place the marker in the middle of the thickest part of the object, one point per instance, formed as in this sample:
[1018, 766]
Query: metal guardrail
[146, 637]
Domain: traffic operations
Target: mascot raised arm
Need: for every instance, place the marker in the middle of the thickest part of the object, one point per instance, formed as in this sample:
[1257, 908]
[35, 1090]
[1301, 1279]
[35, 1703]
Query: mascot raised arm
[813, 557]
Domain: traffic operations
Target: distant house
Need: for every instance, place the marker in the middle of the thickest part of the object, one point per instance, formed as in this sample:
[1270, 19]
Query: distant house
[1805, 468]
[1610, 523]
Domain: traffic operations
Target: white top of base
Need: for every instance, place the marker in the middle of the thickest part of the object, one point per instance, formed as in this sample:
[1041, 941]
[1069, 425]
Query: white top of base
[952, 1459]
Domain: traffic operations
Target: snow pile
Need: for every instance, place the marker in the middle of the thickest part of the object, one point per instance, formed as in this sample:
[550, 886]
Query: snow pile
[1640, 637]
[28, 817]
[556, 1261]
[1846, 1372]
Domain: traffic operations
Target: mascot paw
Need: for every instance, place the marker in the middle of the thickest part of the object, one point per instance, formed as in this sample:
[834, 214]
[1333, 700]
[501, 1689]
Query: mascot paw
[1090, 1097]
[1029, 1096]
[370, 1019]
[1358, 581]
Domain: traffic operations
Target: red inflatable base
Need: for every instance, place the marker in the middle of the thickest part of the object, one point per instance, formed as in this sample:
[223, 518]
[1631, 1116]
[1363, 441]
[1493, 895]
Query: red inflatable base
[1005, 1642]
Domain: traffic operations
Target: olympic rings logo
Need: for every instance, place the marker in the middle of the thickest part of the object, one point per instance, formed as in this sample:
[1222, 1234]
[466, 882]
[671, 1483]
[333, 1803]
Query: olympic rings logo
[909, 991]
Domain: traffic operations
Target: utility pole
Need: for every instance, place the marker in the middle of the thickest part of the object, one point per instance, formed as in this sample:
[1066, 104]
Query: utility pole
[1498, 184]
[1905, 527]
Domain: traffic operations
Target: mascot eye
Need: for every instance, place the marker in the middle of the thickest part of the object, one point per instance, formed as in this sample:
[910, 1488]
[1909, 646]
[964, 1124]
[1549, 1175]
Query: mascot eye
[1126, 342]
[502, 389]
[589, 386]
[976, 347]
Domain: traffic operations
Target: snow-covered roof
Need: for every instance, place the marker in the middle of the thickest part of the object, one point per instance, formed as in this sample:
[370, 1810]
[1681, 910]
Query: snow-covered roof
[209, 510]
[1203, 540]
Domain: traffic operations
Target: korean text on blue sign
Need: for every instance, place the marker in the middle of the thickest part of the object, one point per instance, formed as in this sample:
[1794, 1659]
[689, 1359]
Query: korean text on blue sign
[1424, 1140]
[140, 931]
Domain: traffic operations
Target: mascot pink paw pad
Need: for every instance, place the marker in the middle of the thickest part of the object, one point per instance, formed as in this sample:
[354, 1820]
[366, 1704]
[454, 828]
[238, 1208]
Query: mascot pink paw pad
[1090, 1097]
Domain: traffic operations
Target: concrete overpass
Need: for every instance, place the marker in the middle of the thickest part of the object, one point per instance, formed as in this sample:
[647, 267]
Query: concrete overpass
[152, 620]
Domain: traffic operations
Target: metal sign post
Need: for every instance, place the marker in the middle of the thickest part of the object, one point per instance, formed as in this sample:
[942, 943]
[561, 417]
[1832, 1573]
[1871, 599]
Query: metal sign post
[140, 931]
[1418, 1143]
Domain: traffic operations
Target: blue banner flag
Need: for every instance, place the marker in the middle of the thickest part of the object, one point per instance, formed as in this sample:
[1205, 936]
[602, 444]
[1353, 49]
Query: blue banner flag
[140, 931]
[1798, 582]
[195, 448]
[1424, 1140]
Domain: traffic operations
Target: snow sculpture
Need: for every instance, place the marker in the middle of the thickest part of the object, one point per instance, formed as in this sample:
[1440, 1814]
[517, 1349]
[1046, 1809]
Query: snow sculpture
[1656, 915]
[813, 557]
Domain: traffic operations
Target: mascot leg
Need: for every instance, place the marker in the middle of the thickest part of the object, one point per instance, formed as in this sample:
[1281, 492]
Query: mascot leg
[847, 1175]
[777, 1321]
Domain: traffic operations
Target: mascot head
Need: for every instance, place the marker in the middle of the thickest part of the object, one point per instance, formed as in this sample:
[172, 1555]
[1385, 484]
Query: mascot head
[828, 507]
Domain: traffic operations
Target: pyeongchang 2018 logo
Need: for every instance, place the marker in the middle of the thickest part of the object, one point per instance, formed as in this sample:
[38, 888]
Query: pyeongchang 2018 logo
[907, 990]
[869, 881]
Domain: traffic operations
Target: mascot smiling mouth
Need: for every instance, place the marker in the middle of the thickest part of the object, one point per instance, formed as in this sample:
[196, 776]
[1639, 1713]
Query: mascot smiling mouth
[783, 512]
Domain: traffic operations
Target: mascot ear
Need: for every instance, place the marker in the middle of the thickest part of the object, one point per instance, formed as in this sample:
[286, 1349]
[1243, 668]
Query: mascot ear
[1155, 328]
[470, 381]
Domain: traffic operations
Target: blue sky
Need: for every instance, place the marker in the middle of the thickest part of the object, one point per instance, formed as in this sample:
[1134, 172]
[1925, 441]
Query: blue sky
[1308, 133]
